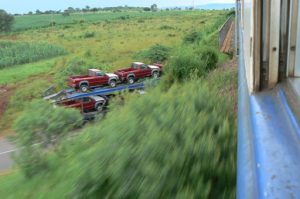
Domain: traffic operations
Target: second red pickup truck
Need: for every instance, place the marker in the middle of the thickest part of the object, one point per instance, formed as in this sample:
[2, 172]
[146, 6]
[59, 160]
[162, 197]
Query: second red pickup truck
[139, 70]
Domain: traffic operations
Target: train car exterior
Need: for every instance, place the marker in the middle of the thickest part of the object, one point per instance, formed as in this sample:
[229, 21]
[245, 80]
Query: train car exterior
[268, 42]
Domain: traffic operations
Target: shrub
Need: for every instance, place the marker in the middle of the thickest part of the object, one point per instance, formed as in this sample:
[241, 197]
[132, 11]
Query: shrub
[210, 58]
[39, 129]
[89, 35]
[166, 27]
[190, 63]
[157, 53]
[193, 37]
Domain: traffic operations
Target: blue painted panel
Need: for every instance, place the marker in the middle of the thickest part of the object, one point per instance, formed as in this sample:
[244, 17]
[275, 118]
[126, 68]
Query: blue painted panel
[106, 91]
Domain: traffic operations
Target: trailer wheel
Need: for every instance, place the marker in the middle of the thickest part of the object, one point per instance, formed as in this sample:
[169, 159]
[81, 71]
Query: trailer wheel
[113, 83]
[155, 75]
[131, 80]
[84, 88]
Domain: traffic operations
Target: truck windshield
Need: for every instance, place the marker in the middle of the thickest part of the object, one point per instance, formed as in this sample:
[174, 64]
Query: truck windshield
[100, 73]
[144, 66]
[135, 66]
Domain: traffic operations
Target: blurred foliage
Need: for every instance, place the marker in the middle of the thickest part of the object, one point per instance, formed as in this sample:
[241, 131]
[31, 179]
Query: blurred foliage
[178, 145]
[39, 129]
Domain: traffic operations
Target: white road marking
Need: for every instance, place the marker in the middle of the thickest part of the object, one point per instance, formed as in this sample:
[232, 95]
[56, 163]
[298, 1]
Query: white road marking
[10, 151]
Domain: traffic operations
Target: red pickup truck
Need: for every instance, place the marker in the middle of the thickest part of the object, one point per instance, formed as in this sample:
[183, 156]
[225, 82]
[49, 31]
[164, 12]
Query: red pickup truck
[96, 78]
[139, 70]
[86, 104]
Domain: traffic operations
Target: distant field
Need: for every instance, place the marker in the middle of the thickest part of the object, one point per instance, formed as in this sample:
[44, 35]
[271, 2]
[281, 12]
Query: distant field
[39, 21]
[13, 53]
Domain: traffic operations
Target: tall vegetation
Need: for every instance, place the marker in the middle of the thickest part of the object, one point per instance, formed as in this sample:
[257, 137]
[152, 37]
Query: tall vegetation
[188, 62]
[6, 21]
[40, 128]
[178, 145]
[12, 53]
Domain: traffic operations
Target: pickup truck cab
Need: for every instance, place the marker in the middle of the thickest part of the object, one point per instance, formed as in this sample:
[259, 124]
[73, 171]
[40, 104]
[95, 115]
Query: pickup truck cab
[95, 78]
[86, 104]
[139, 70]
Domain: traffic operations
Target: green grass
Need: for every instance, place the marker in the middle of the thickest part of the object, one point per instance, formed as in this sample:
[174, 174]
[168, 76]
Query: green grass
[22, 72]
[14, 53]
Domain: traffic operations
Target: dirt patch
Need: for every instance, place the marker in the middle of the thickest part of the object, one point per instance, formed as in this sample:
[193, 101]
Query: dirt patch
[5, 94]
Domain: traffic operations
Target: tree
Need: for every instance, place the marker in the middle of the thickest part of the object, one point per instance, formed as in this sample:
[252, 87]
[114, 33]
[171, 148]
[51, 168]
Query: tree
[6, 21]
[39, 130]
[147, 9]
[71, 9]
[154, 8]
[38, 12]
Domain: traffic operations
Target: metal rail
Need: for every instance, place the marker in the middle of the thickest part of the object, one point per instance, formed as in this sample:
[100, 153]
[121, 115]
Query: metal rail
[72, 94]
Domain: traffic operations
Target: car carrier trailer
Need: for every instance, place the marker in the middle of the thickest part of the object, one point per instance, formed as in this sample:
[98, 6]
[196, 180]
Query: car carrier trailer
[72, 94]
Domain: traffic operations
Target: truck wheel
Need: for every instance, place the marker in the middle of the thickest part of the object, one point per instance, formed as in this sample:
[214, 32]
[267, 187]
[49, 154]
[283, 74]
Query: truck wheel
[130, 80]
[84, 88]
[99, 107]
[113, 83]
[155, 75]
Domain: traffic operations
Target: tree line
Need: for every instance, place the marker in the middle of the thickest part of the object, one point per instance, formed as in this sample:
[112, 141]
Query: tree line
[87, 8]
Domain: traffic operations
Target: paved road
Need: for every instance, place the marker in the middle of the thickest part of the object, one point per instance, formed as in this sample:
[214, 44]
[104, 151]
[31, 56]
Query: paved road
[6, 150]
